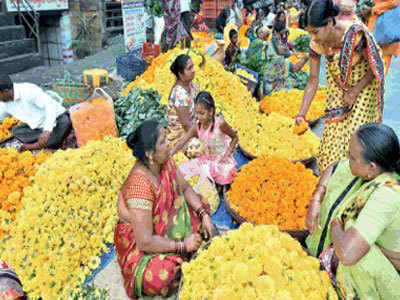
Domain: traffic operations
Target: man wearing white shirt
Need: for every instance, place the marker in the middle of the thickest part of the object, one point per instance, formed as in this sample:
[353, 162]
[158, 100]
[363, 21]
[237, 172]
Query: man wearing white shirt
[45, 122]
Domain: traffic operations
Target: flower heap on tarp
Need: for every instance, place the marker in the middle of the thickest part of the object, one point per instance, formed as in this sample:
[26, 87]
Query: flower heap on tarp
[255, 262]
[233, 99]
[288, 102]
[5, 127]
[273, 190]
[16, 170]
[68, 218]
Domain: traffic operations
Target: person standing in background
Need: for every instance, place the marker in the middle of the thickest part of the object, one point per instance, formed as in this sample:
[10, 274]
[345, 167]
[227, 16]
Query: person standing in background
[186, 18]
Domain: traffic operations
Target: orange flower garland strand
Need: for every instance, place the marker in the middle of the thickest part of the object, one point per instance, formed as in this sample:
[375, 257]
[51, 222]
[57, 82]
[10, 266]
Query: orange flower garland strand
[5, 127]
[273, 190]
[16, 169]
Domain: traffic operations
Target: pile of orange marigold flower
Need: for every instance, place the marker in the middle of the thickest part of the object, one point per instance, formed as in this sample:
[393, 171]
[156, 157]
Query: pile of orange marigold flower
[16, 169]
[273, 190]
[287, 103]
[5, 127]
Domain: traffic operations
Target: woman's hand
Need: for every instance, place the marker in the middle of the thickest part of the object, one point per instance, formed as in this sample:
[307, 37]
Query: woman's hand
[208, 227]
[123, 211]
[313, 217]
[350, 98]
[300, 119]
[192, 242]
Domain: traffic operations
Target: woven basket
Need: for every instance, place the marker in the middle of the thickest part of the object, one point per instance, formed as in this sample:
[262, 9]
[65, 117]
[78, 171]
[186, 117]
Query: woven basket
[129, 66]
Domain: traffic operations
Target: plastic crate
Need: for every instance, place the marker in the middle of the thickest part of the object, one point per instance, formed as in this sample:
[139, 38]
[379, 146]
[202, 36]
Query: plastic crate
[209, 5]
[129, 66]
[222, 4]
[250, 83]
[149, 52]
[210, 13]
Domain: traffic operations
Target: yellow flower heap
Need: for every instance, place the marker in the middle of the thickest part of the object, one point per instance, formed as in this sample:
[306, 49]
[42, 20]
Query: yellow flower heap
[233, 99]
[69, 215]
[5, 127]
[255, 263]
[287, 103]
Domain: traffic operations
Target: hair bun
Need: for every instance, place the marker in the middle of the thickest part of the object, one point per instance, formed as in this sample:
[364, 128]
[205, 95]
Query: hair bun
[173, 68]
[335, 10]
[132, 139]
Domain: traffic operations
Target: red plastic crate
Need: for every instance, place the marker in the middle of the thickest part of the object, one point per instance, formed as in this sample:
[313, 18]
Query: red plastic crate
[149, 52]
[209, 5]
[210, 13]
[222, 4]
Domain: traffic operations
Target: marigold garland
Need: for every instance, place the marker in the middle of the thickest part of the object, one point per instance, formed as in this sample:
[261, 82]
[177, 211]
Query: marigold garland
[233, 99]
[5, 127]
[273, 191]
[258, 263]
[68, 217]
[16, 169]
[288, 103]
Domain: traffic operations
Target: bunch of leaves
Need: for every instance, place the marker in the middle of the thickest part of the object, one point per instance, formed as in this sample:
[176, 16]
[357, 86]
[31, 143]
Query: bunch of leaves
[302, 43]
[90, 292]
[154, 8]
[252, 63]
[138, 106]
[300, 79]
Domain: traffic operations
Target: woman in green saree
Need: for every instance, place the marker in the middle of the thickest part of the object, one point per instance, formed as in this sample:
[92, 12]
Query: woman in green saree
[277, 69]
[356, 209]
[161, 218]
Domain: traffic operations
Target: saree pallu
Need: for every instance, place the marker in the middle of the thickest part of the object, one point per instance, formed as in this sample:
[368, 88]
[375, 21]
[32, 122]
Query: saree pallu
[157, 274]
[374, 276]
[345, 68]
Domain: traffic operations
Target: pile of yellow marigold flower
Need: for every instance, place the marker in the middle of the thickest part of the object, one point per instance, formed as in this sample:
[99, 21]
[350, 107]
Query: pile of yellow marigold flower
[233, 99]
[273, 190]
[5, 127]
[258, 263]
[16, 169]
[288, 102]
[68, 217]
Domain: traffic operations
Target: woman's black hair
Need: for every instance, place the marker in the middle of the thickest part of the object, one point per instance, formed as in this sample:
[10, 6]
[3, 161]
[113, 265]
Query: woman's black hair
[144, 139]
[5, 82]
[279, 26]
[179, 64]
[320, 12]
[232, 33]
[303, 21]
[204, 98]
[380, 145]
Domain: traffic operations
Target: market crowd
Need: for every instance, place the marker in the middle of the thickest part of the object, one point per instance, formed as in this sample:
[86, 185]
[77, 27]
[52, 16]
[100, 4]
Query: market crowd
[353, 217]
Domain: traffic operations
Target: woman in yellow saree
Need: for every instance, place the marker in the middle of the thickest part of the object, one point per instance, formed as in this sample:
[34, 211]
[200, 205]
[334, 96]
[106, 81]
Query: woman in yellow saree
[360, 216]
[354, 73]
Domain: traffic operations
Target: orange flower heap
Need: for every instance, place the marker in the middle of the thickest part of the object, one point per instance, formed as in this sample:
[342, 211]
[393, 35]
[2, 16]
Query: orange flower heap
[5, 127]
[15, 172]
[287, 103]
[273, 190]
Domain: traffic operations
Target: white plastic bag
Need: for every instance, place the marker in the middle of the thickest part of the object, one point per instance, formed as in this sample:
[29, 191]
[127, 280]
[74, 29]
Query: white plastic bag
[159, 25]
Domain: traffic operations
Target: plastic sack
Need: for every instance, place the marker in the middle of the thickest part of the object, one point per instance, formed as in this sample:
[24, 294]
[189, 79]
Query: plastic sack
[206, 187]
[384, 31]
[158, 29]
[216, 51]
[94, 119]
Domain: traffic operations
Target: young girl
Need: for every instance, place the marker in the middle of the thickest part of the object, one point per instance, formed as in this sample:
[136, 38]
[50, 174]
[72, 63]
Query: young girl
[220, 141]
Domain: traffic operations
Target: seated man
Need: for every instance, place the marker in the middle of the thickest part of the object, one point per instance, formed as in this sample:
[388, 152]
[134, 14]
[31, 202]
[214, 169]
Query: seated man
[45, 122]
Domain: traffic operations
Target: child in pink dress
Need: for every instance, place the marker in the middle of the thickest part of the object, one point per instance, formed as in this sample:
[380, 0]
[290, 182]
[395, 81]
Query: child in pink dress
[220, 141]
